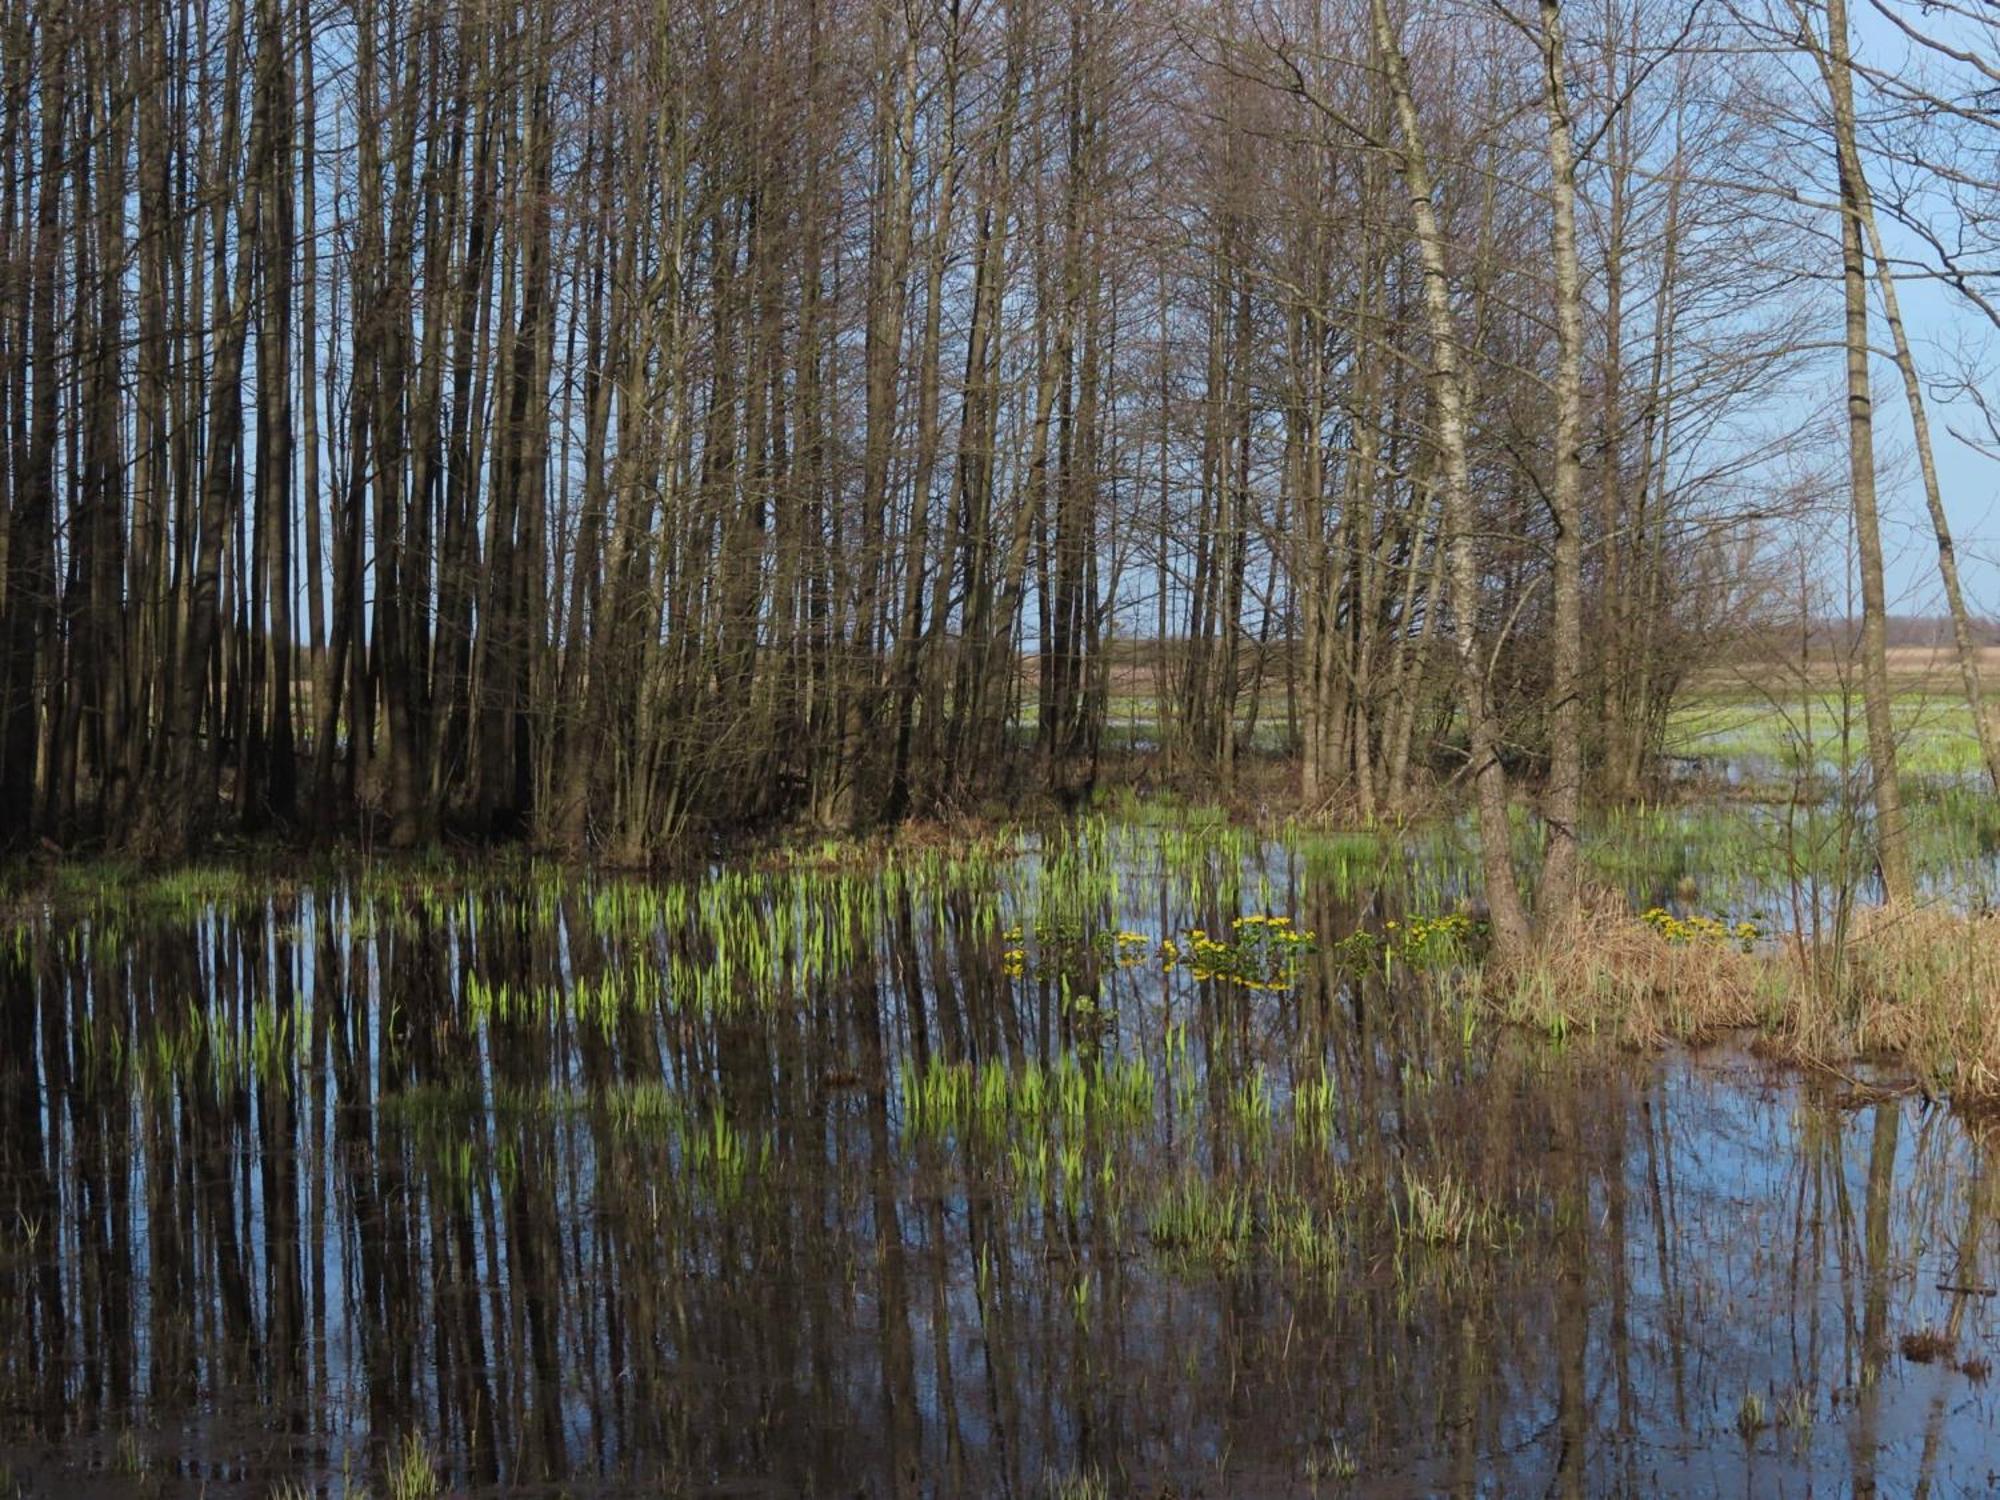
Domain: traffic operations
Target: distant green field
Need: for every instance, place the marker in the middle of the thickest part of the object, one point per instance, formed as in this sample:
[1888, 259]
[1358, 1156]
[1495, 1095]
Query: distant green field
[1825, 728]
[1764, 733]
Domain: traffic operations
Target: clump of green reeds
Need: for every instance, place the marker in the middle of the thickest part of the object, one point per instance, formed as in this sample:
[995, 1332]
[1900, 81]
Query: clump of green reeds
[1304, 1235]
[1082, 1484]
[725, 1159]
[1313, 1108]
[1335, 1463]
[412, 1471]
[1752, 1416]
[1201, 1220]
[129, 1459]
[1252, 1107]
[987, 1100]
[1445, 1212]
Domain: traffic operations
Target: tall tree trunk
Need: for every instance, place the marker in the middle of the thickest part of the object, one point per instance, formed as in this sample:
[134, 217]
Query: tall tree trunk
[1892, 836]
[1489, 776]
[1964, 646]
[1556, 895]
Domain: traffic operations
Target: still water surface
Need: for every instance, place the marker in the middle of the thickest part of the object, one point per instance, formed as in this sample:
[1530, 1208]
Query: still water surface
[926, 1181]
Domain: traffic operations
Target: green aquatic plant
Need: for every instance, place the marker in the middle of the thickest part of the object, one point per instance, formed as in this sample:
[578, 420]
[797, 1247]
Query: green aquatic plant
[945, 1100]
[1313, 1101]
[1444, 1212]
[1335, 1462]
[1305, 1236]
[1796, 1413]
[1251, 1109]
[1082, 1484]
[128, 1458]
[1197, 1219]
[1262, 952]
[646, 1109]
[412, 1469]
[1752, 1416]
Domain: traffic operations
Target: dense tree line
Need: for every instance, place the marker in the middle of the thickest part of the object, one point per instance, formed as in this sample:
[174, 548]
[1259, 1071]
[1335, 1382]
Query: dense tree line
[589, 421]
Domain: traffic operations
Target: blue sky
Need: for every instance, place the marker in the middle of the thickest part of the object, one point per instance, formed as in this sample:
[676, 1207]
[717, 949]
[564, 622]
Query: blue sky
[1942, 331]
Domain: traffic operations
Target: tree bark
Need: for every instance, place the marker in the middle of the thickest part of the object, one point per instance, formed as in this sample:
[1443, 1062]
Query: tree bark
[1509, 917]
[1892, 837]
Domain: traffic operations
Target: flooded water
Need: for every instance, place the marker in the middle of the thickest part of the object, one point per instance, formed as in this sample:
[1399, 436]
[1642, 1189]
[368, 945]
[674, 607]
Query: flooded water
[947, 1177]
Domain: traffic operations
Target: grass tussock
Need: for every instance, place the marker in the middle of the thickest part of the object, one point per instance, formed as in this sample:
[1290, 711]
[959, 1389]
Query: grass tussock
[1921, 986]
[1613, 974]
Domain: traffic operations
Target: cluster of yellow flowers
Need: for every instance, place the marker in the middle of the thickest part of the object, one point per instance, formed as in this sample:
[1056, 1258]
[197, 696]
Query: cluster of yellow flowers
[1696, 928]
[1262, 952]
[1272, 930]
[1263, 955]
[1423, 929]
[1130, 948]
[1206, 956]
[1429, 937]
[1418, 941]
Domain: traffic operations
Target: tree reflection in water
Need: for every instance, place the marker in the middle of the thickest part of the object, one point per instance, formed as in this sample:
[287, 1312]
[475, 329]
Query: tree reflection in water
[286, 1179]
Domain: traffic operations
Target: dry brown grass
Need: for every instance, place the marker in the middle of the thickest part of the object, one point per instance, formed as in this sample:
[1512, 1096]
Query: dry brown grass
[1911, 669]
[1927, 1346]
[1611, 973]
[1921, 986]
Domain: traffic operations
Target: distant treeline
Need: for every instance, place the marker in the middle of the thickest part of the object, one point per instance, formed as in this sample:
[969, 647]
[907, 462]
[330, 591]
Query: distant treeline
[1921, 630]
[591, 422]
[1843, 637]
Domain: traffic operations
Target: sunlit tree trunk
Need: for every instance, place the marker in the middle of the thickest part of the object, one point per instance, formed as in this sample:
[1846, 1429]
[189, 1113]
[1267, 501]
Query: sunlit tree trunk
[1489, 777]
[1892, 838]
[1561, 805]
[1862, 207]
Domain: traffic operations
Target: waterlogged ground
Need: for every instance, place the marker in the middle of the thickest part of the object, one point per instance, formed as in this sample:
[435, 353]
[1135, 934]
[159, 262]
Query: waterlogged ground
[1140, 1162]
